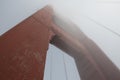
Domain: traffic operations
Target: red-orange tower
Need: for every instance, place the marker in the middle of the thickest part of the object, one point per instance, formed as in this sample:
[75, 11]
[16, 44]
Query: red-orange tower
[23, 49]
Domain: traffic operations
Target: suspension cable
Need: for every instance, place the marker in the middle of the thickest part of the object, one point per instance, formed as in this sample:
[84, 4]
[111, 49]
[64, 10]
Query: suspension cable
[103, 26]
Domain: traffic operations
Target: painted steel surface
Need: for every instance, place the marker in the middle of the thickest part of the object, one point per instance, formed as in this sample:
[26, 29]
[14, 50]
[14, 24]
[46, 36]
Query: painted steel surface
[23, 49]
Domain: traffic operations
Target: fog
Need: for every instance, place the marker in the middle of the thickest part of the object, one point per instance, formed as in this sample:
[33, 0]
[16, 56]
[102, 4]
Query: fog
[91, 16]
[98, 19]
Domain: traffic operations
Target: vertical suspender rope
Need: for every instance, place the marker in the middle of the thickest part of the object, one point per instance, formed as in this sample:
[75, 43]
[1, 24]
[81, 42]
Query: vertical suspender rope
[65, 67]
[51, 66]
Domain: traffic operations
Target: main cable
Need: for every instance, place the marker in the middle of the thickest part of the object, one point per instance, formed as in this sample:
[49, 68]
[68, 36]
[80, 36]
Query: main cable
[103, 26]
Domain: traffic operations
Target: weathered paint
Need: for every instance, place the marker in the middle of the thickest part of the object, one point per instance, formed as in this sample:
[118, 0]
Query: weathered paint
[23, 51]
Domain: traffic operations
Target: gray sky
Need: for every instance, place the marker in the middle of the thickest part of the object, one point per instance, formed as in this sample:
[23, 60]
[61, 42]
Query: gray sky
[105, 12]
[60, 66]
